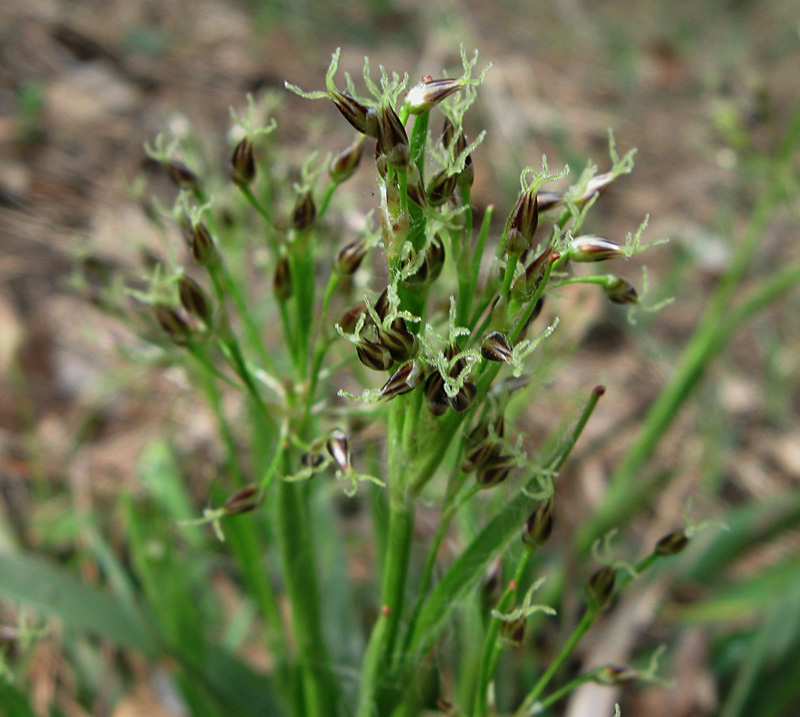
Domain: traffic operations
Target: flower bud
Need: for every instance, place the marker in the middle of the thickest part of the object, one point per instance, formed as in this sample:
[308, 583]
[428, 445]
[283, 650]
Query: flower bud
[595, 186]
[435, 396]
[549, 200]
[310, 460]
[672, 543]
[593, 248]
[400, 342]
[481, 447]
[600, 588]
[513, 631]
[620, 291]
[243, 501]
[495, 347]
[428, 93]
[382, 304]
[304, 211]
[350, 318]
[243, 165]
[467, 176]
[194, 300]
[435, 258]
[339, 449]
[392, 138]
[539, 525]
[201, 245]
[373, 355]
[282, 280]
[415, 187]
[344, 165]
[350, 257]
[176, 323]
[441, 187]
[181, 175]
[528, 282]
[614, 675]
[522, 223]
[380, 162]
[361, 117]
[405, 379]
[464, 398]
[495, 471]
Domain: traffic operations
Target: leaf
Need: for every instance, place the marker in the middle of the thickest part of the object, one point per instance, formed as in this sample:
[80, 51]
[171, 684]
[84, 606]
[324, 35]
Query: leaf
[54, 591]
[468, 569]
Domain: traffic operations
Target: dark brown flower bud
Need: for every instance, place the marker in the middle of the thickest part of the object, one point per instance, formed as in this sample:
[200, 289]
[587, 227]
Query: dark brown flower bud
[435, 258]
[374, 355]
[339, 449]
[595, 186]
[350, 318]
[448, 132]
[402, 344]
[435, 396]
[513, 631]
[361, 117]
[466, 177]
[528, 282]
[495, 471]
[672, 543]
[304, 211]
[428, 93]
[392, 138]
[382, 304]
[380, 162]
[441, 187]
[344, 165]
[282, 279]
[620, 291]
[176, 323]
[600, 588]
[350, 257]
[201, 245]
[415, 187]
[549, 200]
[405, 379]
[179, 173]
[243, 501]
[194, 300]
[311, 460]
[495, 347]
[464, 398]
[243, 165]
[615, 675]
[481, 446]
[590, 247]
[522, 223]
[539, 525]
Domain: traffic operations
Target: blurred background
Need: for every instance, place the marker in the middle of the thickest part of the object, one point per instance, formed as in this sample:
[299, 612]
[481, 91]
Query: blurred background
[704, 90]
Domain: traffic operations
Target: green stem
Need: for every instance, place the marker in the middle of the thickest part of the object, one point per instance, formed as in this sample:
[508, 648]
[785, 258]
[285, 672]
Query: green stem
[295, 543]
[378, 654]
[491, 650]
[564, 690]
[566, 650]
[395, 565]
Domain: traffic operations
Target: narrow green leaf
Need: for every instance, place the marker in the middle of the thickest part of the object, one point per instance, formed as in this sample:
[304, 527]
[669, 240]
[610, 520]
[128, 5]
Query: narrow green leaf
[13, 703]
[467, 570]
[56, 592]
